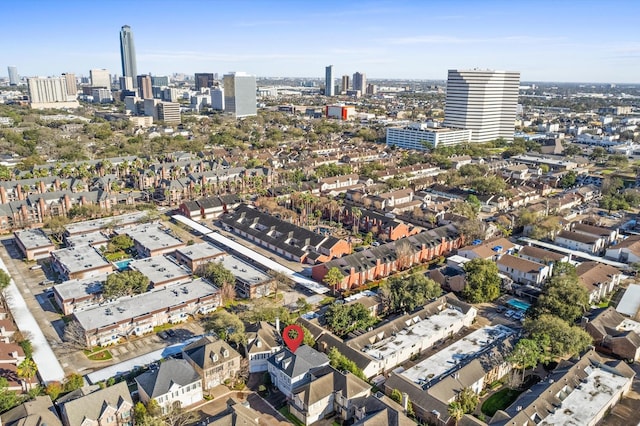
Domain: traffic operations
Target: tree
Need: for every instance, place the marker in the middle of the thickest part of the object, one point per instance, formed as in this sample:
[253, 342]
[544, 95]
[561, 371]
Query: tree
[526, 354]
[483, 281]
[302, 305]
[343, 318]
[396, 395]
[8, 398]
[568, 179]
[27, 370]
[125, 283]
[5, 281]
[408, 292]
[178, 416]
[556, 337]
[227, 326]
[74, 336]
[222, 278]
[564, 297]
[73, 381]
[468, 400]
[57, 226]
[333, 278]
[308, 337]
[120, 242]
[456, 411]
[53, 389]
[139, 412]
[342, 363]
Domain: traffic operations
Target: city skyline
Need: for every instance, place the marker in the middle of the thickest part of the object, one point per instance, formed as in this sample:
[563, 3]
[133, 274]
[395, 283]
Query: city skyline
[544, 41]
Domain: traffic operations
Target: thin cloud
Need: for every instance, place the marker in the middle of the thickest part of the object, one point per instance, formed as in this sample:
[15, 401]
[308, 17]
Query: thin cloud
[441, 39]
[220, 57]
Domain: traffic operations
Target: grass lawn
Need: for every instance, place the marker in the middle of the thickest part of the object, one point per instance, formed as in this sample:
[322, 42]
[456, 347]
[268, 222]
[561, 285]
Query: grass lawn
[103, 355]
[499, 401]
[285, 412]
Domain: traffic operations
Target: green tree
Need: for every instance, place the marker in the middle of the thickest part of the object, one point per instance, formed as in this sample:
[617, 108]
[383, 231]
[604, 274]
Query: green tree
[27, 347]
[8, 398]
[564, 297]
[342, 363]
[333, 278]
[227, 326]
[343, 318]
[73, 381]
[483, 281]
[125, 284]
[568, 179]
[302, 305]
[308, 337]
[120, 242]
[222, 278]
[27, 370]
[526, 354]
[396, 395]
[468, 400]
[556, 337]
[139, 412]
[456, 411]
[406, 293]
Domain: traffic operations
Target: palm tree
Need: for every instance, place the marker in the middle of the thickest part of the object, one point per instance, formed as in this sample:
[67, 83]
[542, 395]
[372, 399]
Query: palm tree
[356, 213]
[455, 411]
[333, 278]
[27, 369]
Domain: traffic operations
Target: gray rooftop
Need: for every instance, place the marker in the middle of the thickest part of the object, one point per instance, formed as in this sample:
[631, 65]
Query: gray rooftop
[242, 270]
[295, 364]
[77, 289]
[129, 307]
[173, 371]
[199, 251]
[78, 259]
[33, 238]
[160, 269]
[103, 223]
[87, 239]
[152, 236]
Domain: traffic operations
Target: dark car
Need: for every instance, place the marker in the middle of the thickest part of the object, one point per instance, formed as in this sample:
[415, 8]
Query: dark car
[163, 335]
[171, 332]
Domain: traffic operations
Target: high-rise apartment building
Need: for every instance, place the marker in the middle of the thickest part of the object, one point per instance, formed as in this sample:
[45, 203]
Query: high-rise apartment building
[100, 78]
[128, 54]
[345, 83]
[169, 112]
[71, 83]
[360, 82]
[329, 88]
[49, 93]
[217, 98]
[204, 79]
[159, 80]
[240, 94]
[482, 101]
[144, 86]
[14, 79]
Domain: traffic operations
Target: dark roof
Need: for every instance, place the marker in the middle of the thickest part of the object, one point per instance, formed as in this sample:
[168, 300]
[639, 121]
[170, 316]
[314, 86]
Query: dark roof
[302, 361]
[92, 405]
[541, 254]
[39, 412]
[262, 337]
[575, 236]
[158, 382]
[203, 351]
[328, 380]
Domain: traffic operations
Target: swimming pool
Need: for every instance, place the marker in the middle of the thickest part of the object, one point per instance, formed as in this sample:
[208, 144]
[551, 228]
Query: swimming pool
[519, 304]
[122, 264]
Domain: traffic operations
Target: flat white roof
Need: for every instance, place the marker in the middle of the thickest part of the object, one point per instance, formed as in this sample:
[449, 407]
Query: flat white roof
[419, 331]
[75, 289]
[97, 224]
[78, 259]
[586, 401]
[152, 236]
[199, 251]
[159, 269]
[33, 238]
[466, 348]
[126, 308]
[630, 302]
[87, 239]
[242, 270]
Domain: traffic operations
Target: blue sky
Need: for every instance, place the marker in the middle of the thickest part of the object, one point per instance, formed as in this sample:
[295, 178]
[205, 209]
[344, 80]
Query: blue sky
[585, 41]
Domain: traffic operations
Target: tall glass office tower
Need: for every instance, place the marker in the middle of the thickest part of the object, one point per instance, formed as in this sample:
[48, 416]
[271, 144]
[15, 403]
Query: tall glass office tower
[128, 54]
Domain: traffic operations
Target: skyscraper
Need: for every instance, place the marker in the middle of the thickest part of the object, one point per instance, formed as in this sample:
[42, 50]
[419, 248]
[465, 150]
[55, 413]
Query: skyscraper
[482, 101]
[128, 54]
[100, 78]
[49, 93]
[329, 88]
[72, 85]
[204, 79]
[14, 79]
[144, 86]
[345, 83]
[126, 83]
[360, 82]
[240, 94]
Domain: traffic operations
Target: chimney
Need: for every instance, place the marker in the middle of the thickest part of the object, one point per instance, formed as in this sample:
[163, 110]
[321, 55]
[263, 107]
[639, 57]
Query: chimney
[3, 195]
[278, 324]
[405, 401]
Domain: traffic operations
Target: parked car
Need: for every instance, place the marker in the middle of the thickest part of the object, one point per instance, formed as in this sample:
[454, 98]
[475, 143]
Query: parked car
[171, 332]
[163, 335]
[34, 267]
[509, 313]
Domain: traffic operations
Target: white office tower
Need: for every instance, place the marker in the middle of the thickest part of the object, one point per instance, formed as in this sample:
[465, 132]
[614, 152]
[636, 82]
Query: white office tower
[482, 101]
[217, 98]
[72, 84]
[14, 78]
[240, 94]
[49, 93]
[100, 78]
[126, 83]
[329, 87]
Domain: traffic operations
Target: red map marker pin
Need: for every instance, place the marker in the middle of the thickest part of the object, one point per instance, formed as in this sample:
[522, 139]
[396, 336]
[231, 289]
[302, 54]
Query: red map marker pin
[293, 336]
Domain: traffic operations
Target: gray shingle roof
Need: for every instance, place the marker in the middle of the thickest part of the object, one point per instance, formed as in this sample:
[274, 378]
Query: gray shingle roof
[158, 382]
[92, 405]
[302, 361]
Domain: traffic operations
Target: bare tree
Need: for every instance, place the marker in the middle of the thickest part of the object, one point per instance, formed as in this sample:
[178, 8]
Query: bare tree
[404, 254]
[179, 417]
[74, 336]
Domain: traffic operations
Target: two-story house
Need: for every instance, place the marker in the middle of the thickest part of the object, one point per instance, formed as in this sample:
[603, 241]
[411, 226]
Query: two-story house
[599, 279]
[289, 370]
[263, 340]
[175, 383]
[213, 359]
[523, 271]
[92, 406]
[581, 242]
